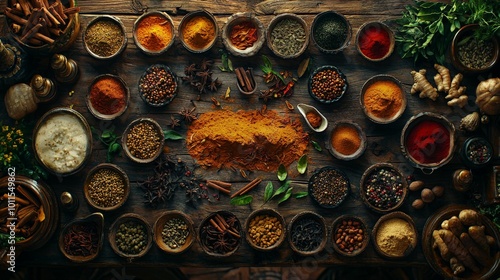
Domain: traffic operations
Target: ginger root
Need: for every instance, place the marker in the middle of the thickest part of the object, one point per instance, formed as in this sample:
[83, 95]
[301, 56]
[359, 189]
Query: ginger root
[441, 246]
[479, 237]
[455, 225]
[460, 101]
[488, 96]
[456, 266]
[442, 78]
[422, 85]
[481, 256]
[456, 248]
[469, 217]
[455, 89]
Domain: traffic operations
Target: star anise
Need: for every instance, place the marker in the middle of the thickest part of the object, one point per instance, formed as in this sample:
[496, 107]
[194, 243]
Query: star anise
[174, 122]
[222, 245]
[190, 69]
[188, 114]
[204, 76]
[215, 84]
[266, 94]
[206, 64]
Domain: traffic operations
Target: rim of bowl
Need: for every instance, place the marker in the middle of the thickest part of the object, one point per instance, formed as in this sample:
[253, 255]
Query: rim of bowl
[174, 76]
[127, 130]
[188, 17]
[368, 172]
[348, 37]
[96, 113]
[158, 228]
[114, 168]
[278, 19]
[316, 173]
[383, 77]
[272, 213]
[86, 127]
[361, 135]
[136, 40]
[461, 33]
[380, 25]
[314, 216]
[366, 234]
[326, 67]
[205, 221]
[394, 215]
[242, 17]
[103, 18]
[123, 219]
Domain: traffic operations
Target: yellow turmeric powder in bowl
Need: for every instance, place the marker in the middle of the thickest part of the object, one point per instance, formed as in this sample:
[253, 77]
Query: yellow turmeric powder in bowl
[347, 141]
[383, 99]
[154, 32]
[198, 31]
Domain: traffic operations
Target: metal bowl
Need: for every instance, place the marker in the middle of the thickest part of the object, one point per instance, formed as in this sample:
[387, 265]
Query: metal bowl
[239, 18]
[318, 70]
[168, 20]
[373, 117]
[102, 116]
[112, 168]
[362, 137]
[321, 16]
[186, 19]
[114, 20]
[277, 19]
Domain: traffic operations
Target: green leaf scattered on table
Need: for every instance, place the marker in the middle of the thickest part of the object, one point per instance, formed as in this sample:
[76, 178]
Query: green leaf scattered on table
[110, 139]
[316, 146]
[303, 66]
[302, 164]
[227, 64]
[268, 192]
[281, 189]
[172, 135]
[242, 200]
[287, 195]
[282, 173]
[300, 194]
[267, 67]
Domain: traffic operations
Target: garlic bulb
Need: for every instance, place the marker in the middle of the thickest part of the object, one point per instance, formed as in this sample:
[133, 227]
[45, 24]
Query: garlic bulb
[470, 122]
[20, 100]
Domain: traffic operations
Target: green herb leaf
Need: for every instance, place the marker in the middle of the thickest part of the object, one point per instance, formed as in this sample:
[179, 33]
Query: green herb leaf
[266, 67]
[106, 134]
[268, 192]
[286, 196]
[172, 135]
[242, 200]
[316, 146]
[281, 189]
[282, 174]
[115, 147]
[230, 65]
[302, 164]
[300, 194]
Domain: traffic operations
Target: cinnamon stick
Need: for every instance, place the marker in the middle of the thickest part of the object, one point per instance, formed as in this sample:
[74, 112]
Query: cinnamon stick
[72, 10]
[250, 77]
[220, 223]
[225, 185]
[233, 233]
[221, 219]
[217, 187]
[247, 187]
[15, 18]
[239, 76]
[248, 84]
[44, 38]
[28, 196]
[51, 17]
[215, 225]
[31, 32]
[56, 15]
[25, 6]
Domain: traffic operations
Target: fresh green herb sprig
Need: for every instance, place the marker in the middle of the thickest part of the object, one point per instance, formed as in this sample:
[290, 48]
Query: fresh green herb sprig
[4, 240]
[285, 191]
[267, 68]
[110, 139]
[226, 63]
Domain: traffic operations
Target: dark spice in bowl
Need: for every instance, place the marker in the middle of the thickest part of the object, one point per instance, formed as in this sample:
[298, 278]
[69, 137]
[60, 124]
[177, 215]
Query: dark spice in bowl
[476, 152]
[158, 85]
[383, 187]
[220, 234]
[307, 232]
[349, 235]
[330, 31]
[81, 239]
[475, 53]
[329, 187]
[327, 84]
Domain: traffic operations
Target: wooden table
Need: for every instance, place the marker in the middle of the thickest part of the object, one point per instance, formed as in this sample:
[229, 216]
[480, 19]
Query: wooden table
[383, 140]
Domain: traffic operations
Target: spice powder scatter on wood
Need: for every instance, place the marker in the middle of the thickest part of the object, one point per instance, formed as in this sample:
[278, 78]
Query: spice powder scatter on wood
[246, 140]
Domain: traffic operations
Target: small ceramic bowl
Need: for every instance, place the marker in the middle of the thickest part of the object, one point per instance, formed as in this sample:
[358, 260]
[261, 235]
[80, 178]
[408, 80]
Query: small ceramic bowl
[45, 128]
[94, 223]
[136, 220]
[110, 102]
[381, 116]
[363, 35]
[271, 41]
[305, 109]
[112, 20]
[380, 224]
[461, 39]
[127, 149]
[476, 152]
[113, 169]
[395, 192]
[232, 234]
[341, 228]
[317, 81]
[166, 22]
[164, 79]
[240, 19]
[316, 29]
[164, 243]
[184, 22]
[311, 225]
[251, 223]
[329, 187]
[333, 137]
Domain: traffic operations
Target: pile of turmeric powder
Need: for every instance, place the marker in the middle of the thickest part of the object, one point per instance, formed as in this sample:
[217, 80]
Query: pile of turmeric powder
[247, 140]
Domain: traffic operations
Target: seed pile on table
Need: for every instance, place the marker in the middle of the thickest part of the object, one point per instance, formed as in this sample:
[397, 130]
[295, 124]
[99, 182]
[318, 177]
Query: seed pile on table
[349, 235]
[131, 237]
[221, 240]
[81, 239]
[106, 188]
[158, 85]
[383, 188]
[329, 187]
[327, 84]
[307, 234]
[175, 233]
[143, 140]
[265, 230]
[104, 37]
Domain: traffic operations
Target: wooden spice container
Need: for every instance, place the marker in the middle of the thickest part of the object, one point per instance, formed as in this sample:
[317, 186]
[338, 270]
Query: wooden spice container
[252, 227]
[278, 36]
[158, 229]
[136, 220]
[108, 97]
[142, 149]
[375, 41]
[247, 30]
[105, 37]
[405, 240]
[331, 32]
[307, 227]
[346, 231]
[383, 99]
[220, 234]
[329, 187]
[154, 32]
[105, 186]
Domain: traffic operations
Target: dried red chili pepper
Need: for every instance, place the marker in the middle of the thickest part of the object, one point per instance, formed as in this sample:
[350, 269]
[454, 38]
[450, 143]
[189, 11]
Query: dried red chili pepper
[243, 35]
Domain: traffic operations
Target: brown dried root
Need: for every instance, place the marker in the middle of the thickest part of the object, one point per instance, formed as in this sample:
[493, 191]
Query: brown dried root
[455, 89]
[461, 101]
[456, 266]
[442, 78]
[422, 85]
[479, 237]
[470, 122]
[456, 248]
[480, 255]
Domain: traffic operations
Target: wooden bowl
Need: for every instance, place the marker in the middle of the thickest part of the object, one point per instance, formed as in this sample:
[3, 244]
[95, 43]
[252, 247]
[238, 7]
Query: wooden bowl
[168, 21]
[186, 19]
[320, 99]
[311, 216]
[96, 220]
[375, 25]
[113, 168]
[171, 97]
[206, 229]
[239, 18]
[270, 41]
[158, 232]
[113, 116]
[331, 187]
[442, 267]
[373, 117]
[323, 15]
[361, 135]
[335, 238]
[130, 217]
[271, 213]
[126, 149]
[114, 20]
[379, 224]
[401, 182]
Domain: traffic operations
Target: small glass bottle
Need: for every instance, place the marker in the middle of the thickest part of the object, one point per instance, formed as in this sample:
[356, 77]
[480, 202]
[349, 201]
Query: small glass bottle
[13, 63]
[69, 202]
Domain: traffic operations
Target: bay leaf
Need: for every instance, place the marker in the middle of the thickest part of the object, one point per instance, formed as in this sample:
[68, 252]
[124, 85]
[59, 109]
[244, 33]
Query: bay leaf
[302, 164]
[303, 67]
[286, 196]
[268, 192]
[282, 174]
[242, 200]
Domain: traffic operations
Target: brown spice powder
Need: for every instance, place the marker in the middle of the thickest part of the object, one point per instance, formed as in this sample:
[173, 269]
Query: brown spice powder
[395, 236]
[246, 140]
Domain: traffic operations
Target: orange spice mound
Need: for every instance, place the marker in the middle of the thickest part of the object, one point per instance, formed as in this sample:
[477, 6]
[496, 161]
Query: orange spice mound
[246, 140]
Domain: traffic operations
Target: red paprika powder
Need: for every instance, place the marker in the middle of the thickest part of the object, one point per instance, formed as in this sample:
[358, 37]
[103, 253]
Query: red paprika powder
[374, 41]
[428, 142]
[107, 96]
